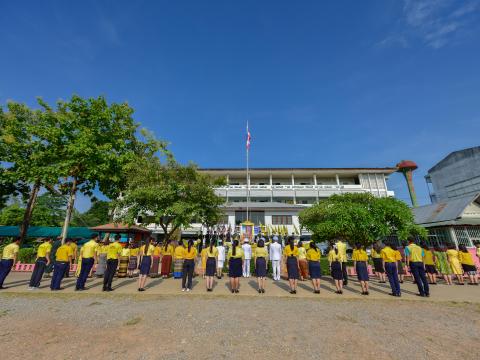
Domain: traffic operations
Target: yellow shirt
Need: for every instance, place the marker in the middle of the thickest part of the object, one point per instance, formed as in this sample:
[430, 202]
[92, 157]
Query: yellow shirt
[149, 251]
[189, 255]
[10, 251]
[114, 250]
[415, 253]
[179, 252]
[289, 252]
[169, 251]
[213, 253]
[428, 259]
[88, 249]
[157, 251]
[238, 253]
[134, 251]
[359, 255]
[102, 249]
[465, 258]
[342, 251]
[313, 255]
[74, 248]
[44, 249]
[125, 252]
[389, 255]
[333, 257]
[260, 252]
[376, 255]
[399, 255]
[302, 253]
[63, 253]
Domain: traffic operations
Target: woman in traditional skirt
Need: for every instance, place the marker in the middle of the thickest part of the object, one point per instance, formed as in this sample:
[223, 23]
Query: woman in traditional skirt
[400, 264]
[290, 254]
[360, 259]
[167, 255]
[146, 252]
[429, 261]
[132, 260]
[123, 263]
[235, 262]
[178, 260]
[203, 257]
[155, 260]
[442, 264]
[468, 265]
[336, 268]
[211, 265]
[314, 269]
[302, 261]
[260, 258]
[452, 257]
[101, 259]
[378, 264]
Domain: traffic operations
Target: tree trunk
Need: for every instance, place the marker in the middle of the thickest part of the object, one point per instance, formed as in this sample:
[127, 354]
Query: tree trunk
[68, 215]
[29, 211]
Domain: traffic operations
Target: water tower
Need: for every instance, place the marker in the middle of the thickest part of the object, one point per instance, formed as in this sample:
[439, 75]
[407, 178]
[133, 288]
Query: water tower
[406, 167]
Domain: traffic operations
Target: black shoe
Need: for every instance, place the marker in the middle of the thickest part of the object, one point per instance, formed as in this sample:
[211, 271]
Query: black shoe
[392, 294]
[233, 291]
[421, 295]
[259, 291]
[291, 291]
[237, 291]
[427, 295]
[294, 291]
[3, 287]
[104, 289]
[263, 291]
[367, 293]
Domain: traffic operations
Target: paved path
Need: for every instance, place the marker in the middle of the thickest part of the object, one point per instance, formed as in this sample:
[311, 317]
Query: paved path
[18, 283]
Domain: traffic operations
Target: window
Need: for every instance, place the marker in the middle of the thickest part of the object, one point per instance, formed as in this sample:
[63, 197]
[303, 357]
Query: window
[282, 219]
[257, 217]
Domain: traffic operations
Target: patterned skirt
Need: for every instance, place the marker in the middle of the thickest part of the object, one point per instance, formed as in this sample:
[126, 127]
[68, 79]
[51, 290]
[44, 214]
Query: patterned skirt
[166, 265]
[303, 264]
[292, 267]
[101, 265]
[177, 268]
[155, 266]
[122, 268]
[132, 263]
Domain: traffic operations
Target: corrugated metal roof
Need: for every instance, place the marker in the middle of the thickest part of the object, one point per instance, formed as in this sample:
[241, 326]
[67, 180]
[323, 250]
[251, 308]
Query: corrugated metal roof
[444, 212]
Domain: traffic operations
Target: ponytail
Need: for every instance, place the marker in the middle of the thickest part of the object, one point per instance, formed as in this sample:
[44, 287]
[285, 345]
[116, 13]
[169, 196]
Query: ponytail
[313, 246]
[211, 245]
[166, 243]
[292, 245]
[234, 248]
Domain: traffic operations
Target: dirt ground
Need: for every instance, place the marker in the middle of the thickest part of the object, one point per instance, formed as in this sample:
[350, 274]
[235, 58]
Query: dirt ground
[195, 326]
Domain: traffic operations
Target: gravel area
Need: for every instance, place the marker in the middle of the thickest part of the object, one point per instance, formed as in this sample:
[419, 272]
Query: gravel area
[68, 326]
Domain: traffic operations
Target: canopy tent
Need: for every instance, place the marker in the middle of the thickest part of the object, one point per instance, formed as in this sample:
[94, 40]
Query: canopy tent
[45, 231]
[127, 232]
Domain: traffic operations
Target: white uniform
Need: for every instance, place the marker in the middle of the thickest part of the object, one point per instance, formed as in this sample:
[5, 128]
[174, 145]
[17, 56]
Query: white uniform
[221, 256]
[247, 253]
[275, 255]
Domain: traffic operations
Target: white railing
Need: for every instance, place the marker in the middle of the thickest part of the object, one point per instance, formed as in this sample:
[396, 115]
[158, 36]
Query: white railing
[292, 187]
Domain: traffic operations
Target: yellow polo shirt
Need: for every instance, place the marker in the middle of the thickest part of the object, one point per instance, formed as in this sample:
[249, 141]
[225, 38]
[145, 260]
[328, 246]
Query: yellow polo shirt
[415, 253]
[63, 252]
[334, 257]
[114, 250]
[289, 252]
[10, 251]
[88, 250]
[342, 251]
[125, 252]
[428, 259]
[179, 252]
[168, 251]
[213, 253]
[150, 250]
[189, 255]
[313, 255]
[238, 253]
[44, 249]
[157, 251]
[74, 248]
[389, 255]
[260, 252]
[465, 258]
[359, 255]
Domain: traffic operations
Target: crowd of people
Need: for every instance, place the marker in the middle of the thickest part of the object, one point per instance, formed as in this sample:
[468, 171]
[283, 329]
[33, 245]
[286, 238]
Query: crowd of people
[298, 260]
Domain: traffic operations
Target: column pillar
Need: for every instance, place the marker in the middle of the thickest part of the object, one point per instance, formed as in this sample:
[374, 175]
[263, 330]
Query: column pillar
[315, 185]
[453, 236]
[271, 187]
[293, 188]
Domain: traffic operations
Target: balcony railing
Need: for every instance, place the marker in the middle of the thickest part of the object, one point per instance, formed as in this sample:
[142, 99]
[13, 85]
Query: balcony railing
[292, 187]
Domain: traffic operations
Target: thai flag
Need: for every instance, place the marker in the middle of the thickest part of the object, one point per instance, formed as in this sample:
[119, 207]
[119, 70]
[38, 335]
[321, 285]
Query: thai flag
[249, 138]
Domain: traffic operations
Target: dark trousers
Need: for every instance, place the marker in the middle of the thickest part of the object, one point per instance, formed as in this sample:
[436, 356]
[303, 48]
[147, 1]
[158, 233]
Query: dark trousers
[344, 271]
[5, 267]
[392, 274]
[188, 266]
[109, 273]
[418, 271]
[58, 274]
[38, 271]
[87, 265]
[67, 272]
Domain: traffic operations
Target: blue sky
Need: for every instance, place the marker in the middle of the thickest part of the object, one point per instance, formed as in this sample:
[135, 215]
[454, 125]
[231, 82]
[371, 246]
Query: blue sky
[322, 83]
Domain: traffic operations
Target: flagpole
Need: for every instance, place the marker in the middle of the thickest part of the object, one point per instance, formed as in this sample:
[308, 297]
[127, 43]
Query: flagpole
[248, 176]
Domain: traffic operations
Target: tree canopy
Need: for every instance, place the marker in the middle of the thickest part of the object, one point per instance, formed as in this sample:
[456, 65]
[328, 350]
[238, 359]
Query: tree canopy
[98, 214]
[361, 218]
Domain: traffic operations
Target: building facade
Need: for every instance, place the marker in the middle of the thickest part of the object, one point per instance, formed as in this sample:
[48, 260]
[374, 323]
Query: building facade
[457, 175]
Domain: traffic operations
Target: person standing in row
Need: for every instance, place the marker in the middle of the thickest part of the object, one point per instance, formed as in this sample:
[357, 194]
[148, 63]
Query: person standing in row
[302, 261]
[400, 265]
[113, 253]
[275, 256]
[335, 262]
[178, 260]
[378, 264]
[247, 253]
[189, 255]
[146, 252]
[260, 257]
[156, 257]
[314, 269]
[342, 251]
[167, 256]
[452, 256]
[235, 260]
[74, 247]
[442, 264]
[41, 262]
[390, 258]
[124, 259]
[133, 260]
[63, 260]
[220, 259]
[291, 262]
[360, 260]
[9, 257]
[88, 253]
[211, 266]
[468, 265]
[102, 251]
[429, 261]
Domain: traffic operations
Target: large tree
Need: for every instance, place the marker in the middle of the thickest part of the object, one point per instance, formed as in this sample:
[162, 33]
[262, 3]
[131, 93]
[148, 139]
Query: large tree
[99, 213]
[360, 218]
[168, 194]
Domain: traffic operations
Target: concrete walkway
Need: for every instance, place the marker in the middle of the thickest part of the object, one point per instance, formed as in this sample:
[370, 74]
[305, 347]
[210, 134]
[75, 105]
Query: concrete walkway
[17, 282]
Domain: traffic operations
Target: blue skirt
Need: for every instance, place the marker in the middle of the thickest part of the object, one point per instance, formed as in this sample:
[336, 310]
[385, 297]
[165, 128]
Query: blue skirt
[145, 265]
[211, 268]
[362, 272]
[292, 267]
[314, 269]
[336, 270]
[261, 267]
[235, 267]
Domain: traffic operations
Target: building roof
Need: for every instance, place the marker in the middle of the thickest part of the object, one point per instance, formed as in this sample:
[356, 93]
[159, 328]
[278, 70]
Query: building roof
[262, 206]
[451, 212]
[384, 170]
[45, 231]
[120, 228]
[455, 156]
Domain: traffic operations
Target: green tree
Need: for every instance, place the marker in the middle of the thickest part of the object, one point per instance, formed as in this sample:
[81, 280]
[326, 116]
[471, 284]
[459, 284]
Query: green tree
[169, 194]
[49, 210]
[12, 215]
[99, 213]
[360, 218]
